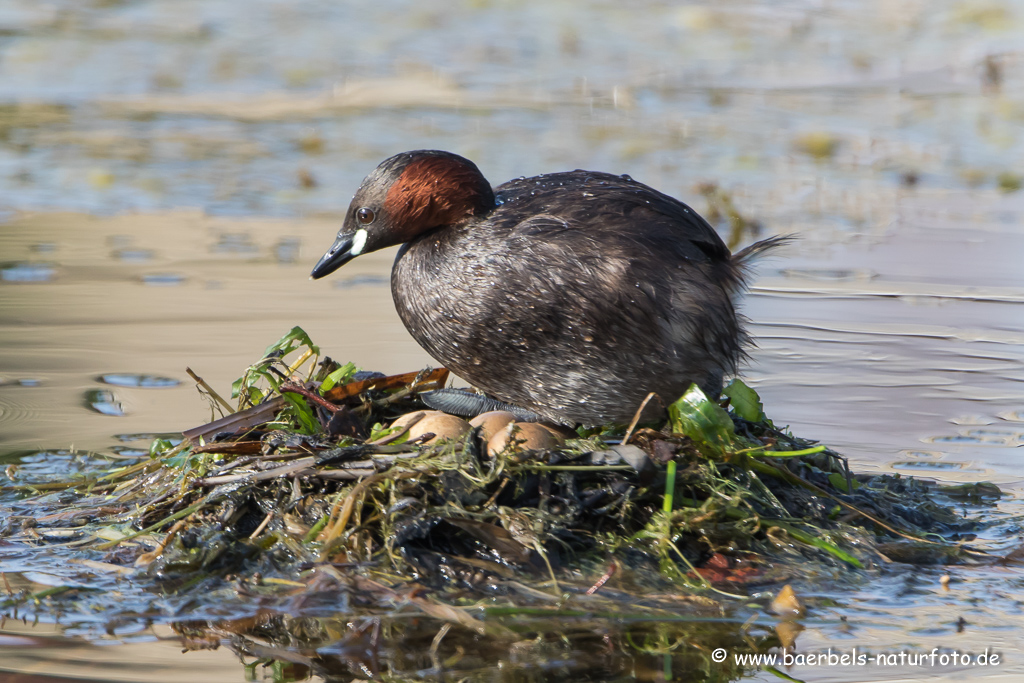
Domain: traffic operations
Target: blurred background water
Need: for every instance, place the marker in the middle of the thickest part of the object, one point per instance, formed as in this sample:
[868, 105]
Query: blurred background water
[170, 170]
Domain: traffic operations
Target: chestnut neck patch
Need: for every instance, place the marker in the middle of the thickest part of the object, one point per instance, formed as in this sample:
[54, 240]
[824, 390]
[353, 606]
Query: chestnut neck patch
[433, 191]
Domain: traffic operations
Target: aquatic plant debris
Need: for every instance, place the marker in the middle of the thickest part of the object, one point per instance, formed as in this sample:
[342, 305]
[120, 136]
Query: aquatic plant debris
[307, 504]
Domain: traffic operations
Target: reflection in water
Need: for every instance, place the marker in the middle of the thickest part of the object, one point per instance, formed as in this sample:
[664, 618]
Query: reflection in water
[27, 272]
[926, 465]
[174, 438]
[134, 255]
[125, 379]
[235, 243]
[163, 279]
[104, 401]
[22, 382]
[52, 465]
[129, 452]
[970, 437]
[541, 643]
[921, 454]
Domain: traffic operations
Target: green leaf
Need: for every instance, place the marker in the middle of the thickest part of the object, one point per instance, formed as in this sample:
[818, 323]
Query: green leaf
[828, 547]
[255, 396]
[159, 446]
[300, 411]
[702, 420]
[246, 385]
[790, 454]
[294, 339]
[839, 481]
[783, 676]
[379, 431]
[236, 387]
[340, 376]
[184, 460]
[745, 401]
[670, 487]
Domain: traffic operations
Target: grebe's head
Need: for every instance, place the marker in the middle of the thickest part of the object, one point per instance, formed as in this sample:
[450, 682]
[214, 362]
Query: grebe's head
[407, 195]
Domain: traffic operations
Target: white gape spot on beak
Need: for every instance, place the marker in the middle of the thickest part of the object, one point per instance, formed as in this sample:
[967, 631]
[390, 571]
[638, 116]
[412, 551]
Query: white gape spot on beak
[358, 242]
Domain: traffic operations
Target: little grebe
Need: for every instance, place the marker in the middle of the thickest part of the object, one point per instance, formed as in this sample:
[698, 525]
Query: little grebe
[571, 294]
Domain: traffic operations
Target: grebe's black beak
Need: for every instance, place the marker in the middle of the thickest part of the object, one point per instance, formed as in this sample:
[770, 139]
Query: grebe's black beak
[341, 252]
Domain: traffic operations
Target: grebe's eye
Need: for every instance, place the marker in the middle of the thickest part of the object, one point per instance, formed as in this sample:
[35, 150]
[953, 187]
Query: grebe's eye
[365, 215]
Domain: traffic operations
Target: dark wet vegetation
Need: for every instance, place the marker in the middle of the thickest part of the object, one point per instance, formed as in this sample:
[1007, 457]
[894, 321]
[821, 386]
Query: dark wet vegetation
[315, 528]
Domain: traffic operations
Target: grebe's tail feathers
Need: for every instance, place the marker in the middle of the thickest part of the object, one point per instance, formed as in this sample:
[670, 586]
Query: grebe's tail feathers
[746, 256]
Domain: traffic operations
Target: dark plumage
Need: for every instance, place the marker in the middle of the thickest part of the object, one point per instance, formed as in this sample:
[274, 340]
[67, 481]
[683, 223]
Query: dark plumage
[570, 294]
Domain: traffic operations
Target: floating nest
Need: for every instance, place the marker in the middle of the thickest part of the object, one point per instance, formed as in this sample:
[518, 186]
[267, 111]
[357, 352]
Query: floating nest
[328, 491]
